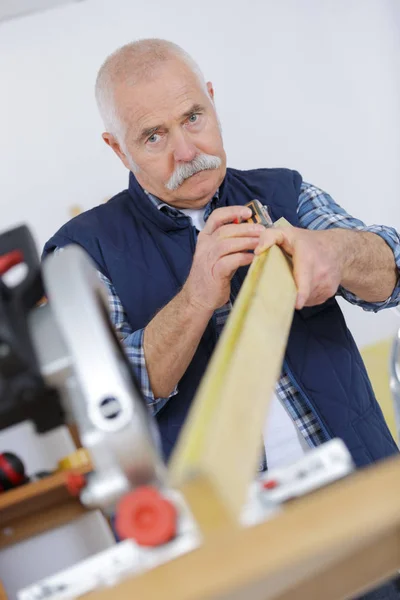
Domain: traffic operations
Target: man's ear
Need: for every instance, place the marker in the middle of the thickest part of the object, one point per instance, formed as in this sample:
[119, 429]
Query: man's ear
[111, 141]
[210, 90]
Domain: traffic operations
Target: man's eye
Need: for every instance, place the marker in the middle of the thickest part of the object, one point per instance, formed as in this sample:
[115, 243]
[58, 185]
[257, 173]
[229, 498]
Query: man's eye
[193, 118]
[153, 138]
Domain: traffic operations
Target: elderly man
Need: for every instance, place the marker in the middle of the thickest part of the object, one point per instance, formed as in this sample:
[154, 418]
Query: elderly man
[173, 254]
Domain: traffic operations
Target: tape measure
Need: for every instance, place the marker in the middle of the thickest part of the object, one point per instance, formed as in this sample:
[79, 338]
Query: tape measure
[260, 214]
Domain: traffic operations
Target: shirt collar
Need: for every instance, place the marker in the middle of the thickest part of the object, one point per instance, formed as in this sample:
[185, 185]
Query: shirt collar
[175, 212]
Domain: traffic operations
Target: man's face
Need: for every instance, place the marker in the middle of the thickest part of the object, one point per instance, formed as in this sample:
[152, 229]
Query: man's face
[170, 124]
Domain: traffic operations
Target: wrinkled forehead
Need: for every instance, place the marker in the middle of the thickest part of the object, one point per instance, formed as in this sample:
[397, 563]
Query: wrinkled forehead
[159, 98]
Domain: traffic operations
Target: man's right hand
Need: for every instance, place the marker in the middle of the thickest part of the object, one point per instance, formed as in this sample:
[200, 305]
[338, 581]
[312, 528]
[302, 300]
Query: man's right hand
[222, 247]
[173, 335]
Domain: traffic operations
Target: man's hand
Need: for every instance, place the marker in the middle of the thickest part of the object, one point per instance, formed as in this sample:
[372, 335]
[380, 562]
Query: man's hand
[173, 335]
[222, 247]
[319, 260]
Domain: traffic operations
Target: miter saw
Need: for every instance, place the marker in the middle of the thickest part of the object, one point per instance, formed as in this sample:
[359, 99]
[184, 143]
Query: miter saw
[61, 362]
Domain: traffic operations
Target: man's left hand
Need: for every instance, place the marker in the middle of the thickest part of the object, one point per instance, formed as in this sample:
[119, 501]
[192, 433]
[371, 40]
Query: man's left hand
[318, 260]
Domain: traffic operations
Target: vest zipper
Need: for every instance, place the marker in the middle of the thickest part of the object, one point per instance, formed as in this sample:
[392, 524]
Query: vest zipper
[306, 400]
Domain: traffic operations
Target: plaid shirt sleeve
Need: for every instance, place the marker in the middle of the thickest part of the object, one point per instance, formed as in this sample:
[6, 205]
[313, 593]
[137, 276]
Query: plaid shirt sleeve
[133, 344]
[317, 210]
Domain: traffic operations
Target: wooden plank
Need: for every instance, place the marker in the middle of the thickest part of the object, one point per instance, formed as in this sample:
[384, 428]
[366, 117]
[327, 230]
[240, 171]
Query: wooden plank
[380, 559]
[356, 517]
[208, 508]
[48, 497]
[20, 529]
[222, 439]
[35, 496]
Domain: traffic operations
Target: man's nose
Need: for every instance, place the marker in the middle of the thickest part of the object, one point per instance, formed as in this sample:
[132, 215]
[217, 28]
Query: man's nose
[183, 148]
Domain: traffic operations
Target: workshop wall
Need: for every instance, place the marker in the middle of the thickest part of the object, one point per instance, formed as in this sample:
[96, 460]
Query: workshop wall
[312, 85]
[309, 85]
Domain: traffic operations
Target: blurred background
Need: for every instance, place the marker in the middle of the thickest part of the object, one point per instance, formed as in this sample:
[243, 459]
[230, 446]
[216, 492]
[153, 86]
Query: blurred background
[306, 84]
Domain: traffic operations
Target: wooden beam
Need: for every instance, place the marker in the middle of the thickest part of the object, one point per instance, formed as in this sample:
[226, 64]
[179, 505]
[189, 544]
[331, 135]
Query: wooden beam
[373, 564]
[222, 438]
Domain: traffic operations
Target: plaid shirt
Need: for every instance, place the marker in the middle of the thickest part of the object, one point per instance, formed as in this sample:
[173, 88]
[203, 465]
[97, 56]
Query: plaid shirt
[316, 210]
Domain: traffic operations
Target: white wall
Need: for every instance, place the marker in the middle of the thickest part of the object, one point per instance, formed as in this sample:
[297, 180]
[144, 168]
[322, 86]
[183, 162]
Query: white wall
[305, 84]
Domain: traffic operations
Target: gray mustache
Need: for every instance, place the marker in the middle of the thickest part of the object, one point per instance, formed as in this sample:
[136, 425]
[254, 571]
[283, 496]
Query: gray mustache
[202, 162]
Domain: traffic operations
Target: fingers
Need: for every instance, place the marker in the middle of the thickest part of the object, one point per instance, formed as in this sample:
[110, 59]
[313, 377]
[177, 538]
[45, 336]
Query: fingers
[242, 230]
[227, 265]
[315, 272]
[275, 236]
[233, 245]
[227, 214]
[302, 266]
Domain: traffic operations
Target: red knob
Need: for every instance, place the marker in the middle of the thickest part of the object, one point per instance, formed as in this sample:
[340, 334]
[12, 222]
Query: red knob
[145, 516]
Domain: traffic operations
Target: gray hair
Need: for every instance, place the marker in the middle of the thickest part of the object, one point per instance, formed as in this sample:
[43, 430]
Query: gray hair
[132, 63]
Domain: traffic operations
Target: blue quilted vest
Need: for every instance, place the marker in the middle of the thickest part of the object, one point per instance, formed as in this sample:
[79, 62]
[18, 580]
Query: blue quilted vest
[147, 255]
